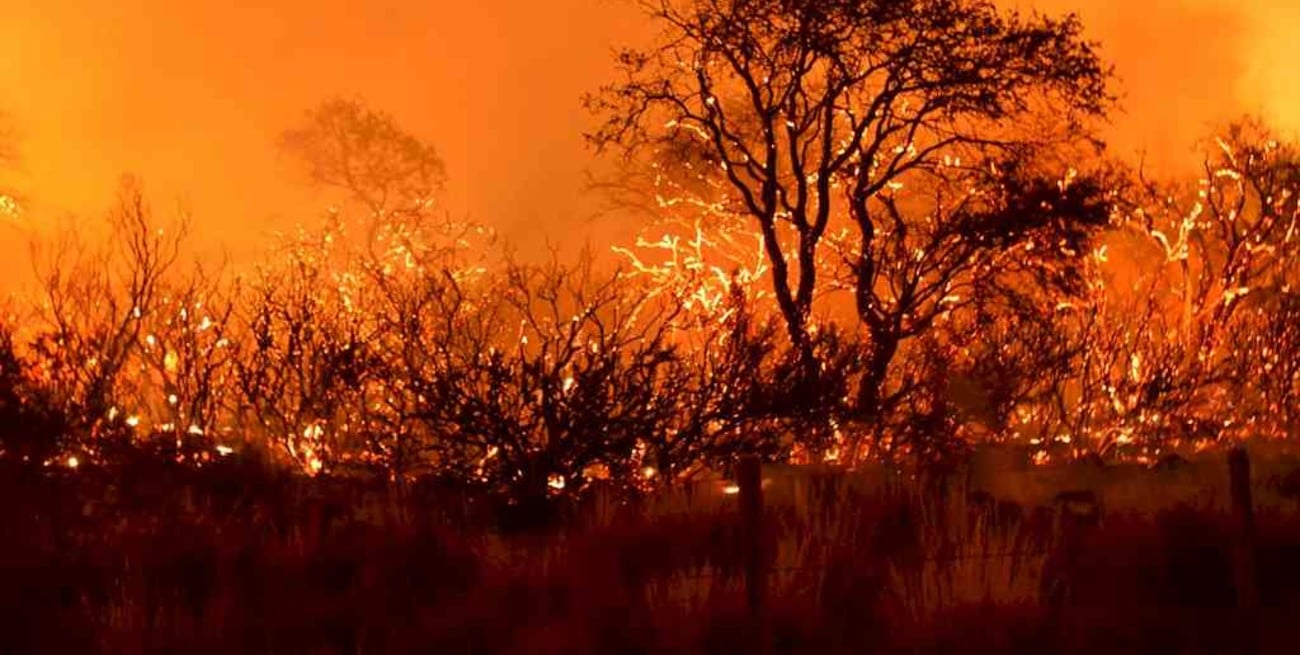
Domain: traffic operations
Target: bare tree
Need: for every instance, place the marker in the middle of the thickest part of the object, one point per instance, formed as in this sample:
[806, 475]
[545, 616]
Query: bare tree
[187, 358]
[346, 145]
[1186, 334]
[811, 116]
[386, 264]
[96, 304]
[305, 353]
[539, 381]
[537, 377]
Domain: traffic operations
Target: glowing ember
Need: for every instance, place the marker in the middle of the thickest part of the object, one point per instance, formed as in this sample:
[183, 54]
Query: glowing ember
[871, 277]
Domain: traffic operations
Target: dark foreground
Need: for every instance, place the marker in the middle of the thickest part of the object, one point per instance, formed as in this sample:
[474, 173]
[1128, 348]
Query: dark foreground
[228, 561]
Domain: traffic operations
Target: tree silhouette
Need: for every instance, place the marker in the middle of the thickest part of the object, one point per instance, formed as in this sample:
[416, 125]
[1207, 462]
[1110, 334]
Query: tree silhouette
[306, 353]
[922, 127]
[1188, 335]
[97, 303]
[186, 363]
[346, 145]
[366, 278]
[32, 428]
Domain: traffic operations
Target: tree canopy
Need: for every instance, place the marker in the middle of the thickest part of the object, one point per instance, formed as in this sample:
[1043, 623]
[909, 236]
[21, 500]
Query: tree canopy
[915, 139]
[346, 145]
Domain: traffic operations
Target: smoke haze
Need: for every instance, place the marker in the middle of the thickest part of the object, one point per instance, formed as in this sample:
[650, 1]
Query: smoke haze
[191, 95]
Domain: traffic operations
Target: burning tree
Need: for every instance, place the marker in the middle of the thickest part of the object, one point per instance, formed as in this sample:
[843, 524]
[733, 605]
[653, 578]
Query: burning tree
[1189, 333]
[306, 352]
[347, 297]
[186, 363]
[130, 349]
[914, 138]
[97, 304]
[543, 379]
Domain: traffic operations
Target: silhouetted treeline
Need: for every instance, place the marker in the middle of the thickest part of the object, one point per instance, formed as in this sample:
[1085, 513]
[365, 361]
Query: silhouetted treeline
[395, 344]
[877, 231]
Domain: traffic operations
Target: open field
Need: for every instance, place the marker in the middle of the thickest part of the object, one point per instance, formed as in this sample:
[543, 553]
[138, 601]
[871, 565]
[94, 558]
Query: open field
[224, 561]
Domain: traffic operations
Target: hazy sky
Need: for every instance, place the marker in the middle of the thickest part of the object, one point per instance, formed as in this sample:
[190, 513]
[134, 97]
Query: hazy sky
[190, 95]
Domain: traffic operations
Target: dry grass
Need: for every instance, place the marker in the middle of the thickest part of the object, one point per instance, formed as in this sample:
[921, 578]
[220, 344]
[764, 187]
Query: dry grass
[189, 562]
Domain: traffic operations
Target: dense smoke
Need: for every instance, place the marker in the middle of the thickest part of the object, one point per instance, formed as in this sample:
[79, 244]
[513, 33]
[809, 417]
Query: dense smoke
[190, 96]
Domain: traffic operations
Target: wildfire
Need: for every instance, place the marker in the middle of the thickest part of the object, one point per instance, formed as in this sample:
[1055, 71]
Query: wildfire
[346, 344]
[307, 450]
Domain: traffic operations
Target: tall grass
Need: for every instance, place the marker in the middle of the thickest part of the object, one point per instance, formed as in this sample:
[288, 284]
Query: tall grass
[219, 561]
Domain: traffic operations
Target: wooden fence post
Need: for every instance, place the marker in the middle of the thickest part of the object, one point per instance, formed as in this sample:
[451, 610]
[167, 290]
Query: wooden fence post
[1243, 519]
[749, 477]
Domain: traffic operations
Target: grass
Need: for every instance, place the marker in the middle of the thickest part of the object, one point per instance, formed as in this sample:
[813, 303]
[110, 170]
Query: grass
[220, 561]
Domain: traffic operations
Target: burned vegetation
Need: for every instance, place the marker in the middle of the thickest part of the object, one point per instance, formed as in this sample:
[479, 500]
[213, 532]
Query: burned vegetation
[901, 360]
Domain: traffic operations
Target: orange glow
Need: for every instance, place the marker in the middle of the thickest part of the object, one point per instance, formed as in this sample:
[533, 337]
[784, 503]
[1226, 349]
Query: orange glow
[190, 95]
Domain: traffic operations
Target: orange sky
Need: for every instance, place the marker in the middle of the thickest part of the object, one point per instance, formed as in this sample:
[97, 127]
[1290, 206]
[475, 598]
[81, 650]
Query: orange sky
[190, 95]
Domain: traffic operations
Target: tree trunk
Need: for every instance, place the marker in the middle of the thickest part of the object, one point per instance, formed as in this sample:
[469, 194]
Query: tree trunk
[871, 387]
